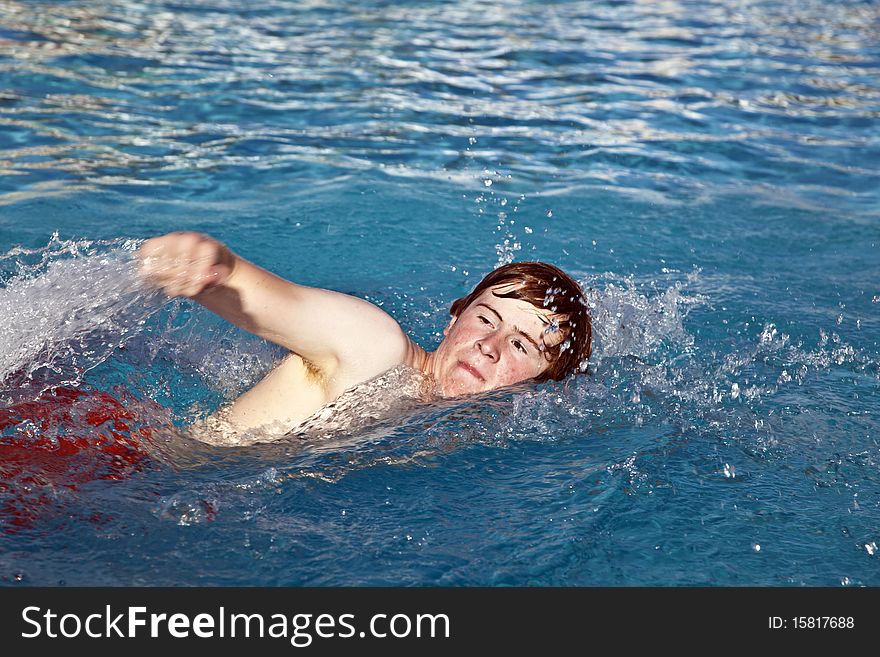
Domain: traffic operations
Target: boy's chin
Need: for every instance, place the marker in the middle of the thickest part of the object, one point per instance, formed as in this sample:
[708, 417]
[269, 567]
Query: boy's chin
[455, 387]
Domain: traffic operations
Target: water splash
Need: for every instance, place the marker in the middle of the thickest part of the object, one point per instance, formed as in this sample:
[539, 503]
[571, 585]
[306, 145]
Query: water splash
[66, 307]
[629, 321]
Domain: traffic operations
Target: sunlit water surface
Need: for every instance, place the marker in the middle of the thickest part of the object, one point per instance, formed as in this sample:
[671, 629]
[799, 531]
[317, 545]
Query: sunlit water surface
[707, 170]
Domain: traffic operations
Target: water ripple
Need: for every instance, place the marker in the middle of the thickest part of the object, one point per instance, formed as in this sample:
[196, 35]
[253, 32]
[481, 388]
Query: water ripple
[665, 97]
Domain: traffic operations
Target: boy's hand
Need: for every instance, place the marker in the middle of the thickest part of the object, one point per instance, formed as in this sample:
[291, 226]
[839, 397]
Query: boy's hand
[185, 264]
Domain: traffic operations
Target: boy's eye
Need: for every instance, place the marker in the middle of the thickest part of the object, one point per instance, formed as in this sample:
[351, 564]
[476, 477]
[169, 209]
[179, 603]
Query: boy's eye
[519, 345]
[483, 319]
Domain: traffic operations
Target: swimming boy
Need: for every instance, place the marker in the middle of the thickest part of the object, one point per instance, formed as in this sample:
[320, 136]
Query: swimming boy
[524, 321]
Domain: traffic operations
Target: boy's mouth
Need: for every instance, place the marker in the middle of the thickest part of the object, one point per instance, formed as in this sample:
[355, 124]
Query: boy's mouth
[470, 369]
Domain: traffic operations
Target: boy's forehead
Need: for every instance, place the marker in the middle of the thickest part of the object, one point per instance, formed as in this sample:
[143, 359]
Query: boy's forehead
[494, 295]
[542, 323]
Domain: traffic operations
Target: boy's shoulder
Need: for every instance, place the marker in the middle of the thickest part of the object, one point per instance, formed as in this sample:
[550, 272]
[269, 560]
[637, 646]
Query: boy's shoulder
[381, 347]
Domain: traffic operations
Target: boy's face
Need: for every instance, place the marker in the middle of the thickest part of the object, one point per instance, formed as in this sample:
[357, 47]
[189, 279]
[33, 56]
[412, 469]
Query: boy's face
[494, 342]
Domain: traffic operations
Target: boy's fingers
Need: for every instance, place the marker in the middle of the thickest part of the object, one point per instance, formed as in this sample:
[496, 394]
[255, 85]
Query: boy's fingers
[182, 264]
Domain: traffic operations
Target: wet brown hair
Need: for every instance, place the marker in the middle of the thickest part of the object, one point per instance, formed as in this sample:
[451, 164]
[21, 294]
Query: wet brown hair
[545, 287]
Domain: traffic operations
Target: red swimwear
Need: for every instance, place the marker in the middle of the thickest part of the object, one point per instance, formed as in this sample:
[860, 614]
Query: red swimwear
[63, 438]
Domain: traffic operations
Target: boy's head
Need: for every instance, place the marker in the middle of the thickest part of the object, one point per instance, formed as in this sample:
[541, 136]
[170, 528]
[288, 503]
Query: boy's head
[525, 320]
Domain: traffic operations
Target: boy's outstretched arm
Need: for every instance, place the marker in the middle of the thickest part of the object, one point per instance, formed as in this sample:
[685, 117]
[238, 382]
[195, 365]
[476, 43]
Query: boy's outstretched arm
[340, 335]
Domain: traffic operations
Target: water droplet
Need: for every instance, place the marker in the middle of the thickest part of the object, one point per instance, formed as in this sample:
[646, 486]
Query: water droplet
[487, 182]
[734, 391]
[730, 473]
[756, 547]
[472, 140]
[528, 230]
[549, 213]
[871, 547]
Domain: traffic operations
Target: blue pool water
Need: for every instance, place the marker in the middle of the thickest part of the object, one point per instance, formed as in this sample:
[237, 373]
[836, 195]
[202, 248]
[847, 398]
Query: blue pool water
[709, 171]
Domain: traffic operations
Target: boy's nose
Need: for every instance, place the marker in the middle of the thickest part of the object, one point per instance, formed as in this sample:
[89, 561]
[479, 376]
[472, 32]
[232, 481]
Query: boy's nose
[488, 348]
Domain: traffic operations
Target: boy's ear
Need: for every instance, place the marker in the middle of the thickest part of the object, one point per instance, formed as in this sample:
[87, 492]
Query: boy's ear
[449, 326]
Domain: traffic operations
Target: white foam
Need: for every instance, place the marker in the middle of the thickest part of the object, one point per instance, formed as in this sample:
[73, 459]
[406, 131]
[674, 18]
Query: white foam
[66, 307]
